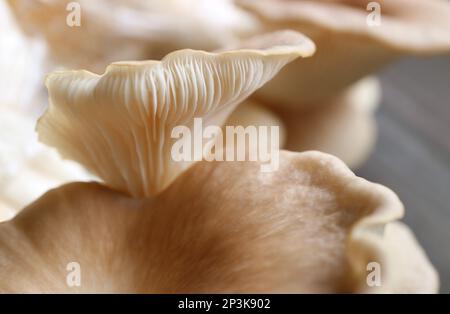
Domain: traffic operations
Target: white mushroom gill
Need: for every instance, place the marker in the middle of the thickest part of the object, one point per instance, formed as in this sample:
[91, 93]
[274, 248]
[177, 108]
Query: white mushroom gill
[119, 124]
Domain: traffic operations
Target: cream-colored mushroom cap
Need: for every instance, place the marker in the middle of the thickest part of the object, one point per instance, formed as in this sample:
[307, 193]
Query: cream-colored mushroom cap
[21, 66]
[119, 125]
[143, 29]
[250, 113]
[349, 46]
[344, 127]
[416, 26]
[27, 168]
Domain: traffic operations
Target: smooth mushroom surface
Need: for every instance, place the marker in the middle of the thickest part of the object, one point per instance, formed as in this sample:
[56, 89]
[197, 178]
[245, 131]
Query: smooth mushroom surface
[143, 29]
[251, 113]
[345, 127]
[22, 66]
[312, 226]
[348, 46]
[27, 168]
[404, 255]
[119, 125]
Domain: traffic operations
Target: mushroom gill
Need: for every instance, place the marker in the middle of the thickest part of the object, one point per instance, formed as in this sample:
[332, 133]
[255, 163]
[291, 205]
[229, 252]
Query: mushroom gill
[119, 125]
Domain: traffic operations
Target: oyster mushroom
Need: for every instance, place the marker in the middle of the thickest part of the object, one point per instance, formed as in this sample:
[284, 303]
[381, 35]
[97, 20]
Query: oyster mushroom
[120, 125]
[310, 95]
[143, 29]
[401, 252]
[250, 113]
[311, 226]
[28, 168]
[348, 48]
[22, 63]
[345, 127]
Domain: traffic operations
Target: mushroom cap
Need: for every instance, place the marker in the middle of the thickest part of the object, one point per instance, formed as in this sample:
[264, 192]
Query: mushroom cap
[348, 49]
[119, 125]
[144, 29]
[400, 252]
[344, 127]
[407, 26]
[22, 63]
[28, 168]
[251, 113]
[24, 163]
[311, 226]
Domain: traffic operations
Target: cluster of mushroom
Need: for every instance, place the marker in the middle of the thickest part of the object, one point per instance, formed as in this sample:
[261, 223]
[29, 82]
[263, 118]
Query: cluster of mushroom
[153, 224]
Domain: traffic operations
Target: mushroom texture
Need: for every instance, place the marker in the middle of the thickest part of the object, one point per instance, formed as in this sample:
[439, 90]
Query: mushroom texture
[348, 46]
[119, 125]
[142, 28]
[22, 63]
[344, 127]
[311, 226]
[250, 113]
[28, 168]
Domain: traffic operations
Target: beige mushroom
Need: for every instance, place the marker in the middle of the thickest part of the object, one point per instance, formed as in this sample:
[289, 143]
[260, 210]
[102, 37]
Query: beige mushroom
[403, 255]
[310, 96]
[345, 127]
[120, 125]
[250, 113]
[22, 64]
[311, 226]
[348, 47]
[28, 168]
[143, 29]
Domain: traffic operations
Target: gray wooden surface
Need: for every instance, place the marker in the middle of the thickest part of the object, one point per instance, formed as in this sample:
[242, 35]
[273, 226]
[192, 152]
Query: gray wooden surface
[412, 156]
